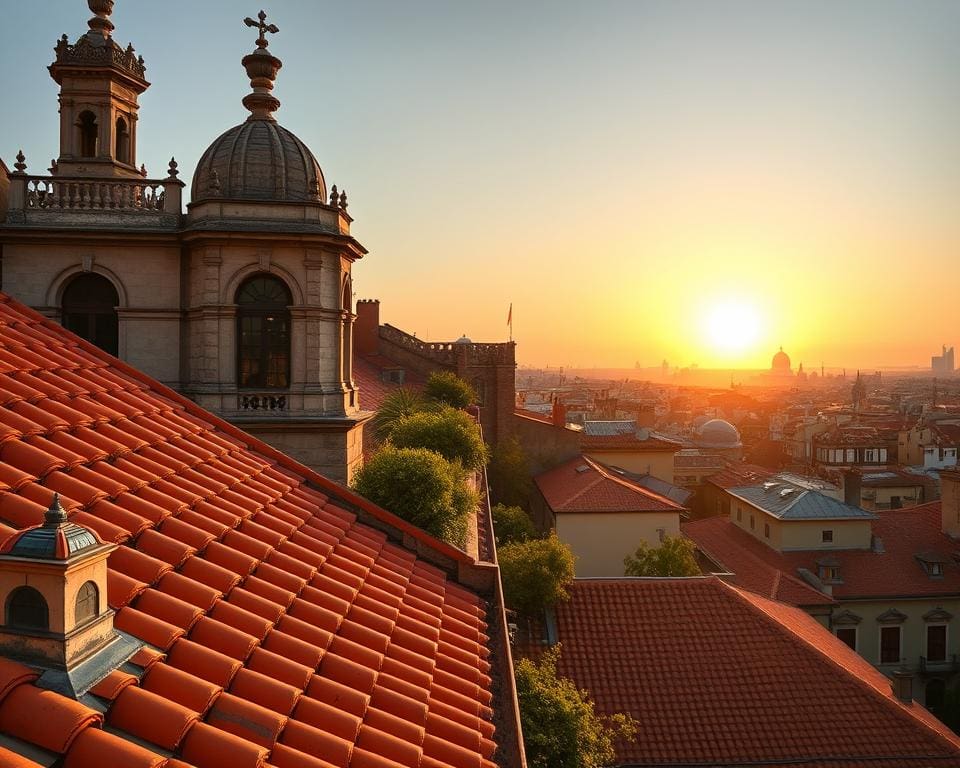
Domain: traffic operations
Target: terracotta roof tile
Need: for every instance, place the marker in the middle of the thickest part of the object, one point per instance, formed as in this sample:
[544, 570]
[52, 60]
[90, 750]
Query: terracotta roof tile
[10, 759]
[767, 662]
[95, 748]
[181, 687]
[151, 717]
[570, 488]
[288, 602]
[44, 718]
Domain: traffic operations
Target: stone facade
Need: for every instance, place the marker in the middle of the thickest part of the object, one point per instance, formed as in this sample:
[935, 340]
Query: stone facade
[260, 208]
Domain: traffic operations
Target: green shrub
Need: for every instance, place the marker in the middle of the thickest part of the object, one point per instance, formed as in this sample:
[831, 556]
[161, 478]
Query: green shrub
[511, 524]
[509, 474]
[561, 728]
[676, 556]
[449, 432]
[448, 388]
[397, 405]
[535, 573]
[413, 483]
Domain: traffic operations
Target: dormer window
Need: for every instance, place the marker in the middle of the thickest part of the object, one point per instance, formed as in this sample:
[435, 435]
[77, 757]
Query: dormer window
[828, 570]
[933, 564]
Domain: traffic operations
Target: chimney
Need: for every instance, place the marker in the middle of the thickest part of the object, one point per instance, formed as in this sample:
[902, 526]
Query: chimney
[366, 328]
[950, 502]
[559, 414]
[903, 685]
[851, 487]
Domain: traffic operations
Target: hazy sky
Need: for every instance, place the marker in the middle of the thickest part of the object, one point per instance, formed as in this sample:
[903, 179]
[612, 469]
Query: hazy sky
[614, 169]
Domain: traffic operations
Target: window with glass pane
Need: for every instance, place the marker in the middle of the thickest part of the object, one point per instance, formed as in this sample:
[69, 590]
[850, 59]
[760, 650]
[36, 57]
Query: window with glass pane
[87, 606]
[848, 635]
[937, 642]
[263, 334]
[27, 609]
[889, 645]
[89, 309]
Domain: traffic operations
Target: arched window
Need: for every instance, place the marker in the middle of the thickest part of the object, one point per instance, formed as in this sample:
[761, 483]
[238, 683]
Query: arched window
[87, 605]
[122, 142]
[89, 307]
[89, 134]
[263, 333]
[27, 609]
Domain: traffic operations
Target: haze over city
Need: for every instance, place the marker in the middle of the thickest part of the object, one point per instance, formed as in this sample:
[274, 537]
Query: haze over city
[692, 181]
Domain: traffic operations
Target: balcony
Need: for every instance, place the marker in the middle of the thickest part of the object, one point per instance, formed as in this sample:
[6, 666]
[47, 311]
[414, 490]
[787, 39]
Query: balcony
[64, 201]
[943, 666]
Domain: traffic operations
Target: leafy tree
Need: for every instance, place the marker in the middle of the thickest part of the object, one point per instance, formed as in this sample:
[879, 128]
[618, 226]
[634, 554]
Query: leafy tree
[446, 387]
[449, 432]
[415, 484]
[397, 405]
[676, 556]
[561, 728]
[509, 474]
[511, 524]
[535, 573]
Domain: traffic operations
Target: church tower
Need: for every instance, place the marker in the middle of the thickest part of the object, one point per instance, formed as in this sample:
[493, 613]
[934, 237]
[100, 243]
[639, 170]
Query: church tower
[100, 82]
[268, 285]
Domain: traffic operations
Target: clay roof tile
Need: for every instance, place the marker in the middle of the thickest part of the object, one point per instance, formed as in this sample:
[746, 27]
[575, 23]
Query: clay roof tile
[151, 717]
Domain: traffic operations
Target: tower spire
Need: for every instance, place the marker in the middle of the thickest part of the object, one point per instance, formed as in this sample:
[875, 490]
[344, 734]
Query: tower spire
[262, 68]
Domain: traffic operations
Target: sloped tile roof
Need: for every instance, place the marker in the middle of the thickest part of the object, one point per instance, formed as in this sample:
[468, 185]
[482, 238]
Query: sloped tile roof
[583, 485]
[281, 630]
[715, 538]
[787, 501]
[718, 676]
[895, 572]
[368, 375]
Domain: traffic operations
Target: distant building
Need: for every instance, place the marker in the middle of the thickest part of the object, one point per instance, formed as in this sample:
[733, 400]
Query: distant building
[887, 582]
[601, 514]
[944, 362]
[931, 445]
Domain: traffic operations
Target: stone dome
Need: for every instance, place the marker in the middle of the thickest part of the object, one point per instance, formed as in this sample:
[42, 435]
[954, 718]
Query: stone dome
[781, 361]
[717, 433]
[259, 160]
[463, 340]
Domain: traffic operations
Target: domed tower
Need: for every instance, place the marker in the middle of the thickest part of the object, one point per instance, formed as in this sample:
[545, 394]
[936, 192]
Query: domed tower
[53, 592]
[780, 365]
[269, 295]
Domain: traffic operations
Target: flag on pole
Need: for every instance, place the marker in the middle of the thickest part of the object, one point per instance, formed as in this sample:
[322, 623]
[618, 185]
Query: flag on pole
[510, 320]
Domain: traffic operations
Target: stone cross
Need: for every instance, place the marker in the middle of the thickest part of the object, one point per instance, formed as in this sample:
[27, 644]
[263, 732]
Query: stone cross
[263, 27]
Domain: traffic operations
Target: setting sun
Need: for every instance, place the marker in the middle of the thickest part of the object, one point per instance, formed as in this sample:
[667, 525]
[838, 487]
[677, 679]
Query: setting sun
[732, 326]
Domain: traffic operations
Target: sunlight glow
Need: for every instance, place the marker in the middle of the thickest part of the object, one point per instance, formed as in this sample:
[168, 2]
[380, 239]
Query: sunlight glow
[732, 326]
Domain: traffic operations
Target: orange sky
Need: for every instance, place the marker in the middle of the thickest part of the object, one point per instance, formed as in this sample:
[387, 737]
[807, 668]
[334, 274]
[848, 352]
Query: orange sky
[615, 169]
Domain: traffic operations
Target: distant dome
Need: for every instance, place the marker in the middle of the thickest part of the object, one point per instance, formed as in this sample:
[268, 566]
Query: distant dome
[718, 433]
[259, 160]
[463, 340]
[781, 362]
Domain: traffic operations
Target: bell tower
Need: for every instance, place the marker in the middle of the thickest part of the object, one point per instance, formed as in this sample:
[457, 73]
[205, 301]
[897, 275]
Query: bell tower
[100, 83]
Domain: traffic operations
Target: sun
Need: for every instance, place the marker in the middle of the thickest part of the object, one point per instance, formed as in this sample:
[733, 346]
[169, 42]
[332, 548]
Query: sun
[732, 326]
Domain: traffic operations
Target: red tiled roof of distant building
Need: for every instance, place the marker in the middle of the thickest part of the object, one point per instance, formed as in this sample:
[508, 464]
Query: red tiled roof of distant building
[740, 474]
[368, 373]
[699, 664]
[582, 485]
[947, 434]
[697, 461]
[627, 441]
[895, 572]
[543, 417]
[712, 536]
[279, 626]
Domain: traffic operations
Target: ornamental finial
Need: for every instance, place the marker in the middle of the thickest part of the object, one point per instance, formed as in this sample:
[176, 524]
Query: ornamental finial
[56, 515]
[21, 165]
[261, 25]
[172, 171]
[100, 24]
[262, 68]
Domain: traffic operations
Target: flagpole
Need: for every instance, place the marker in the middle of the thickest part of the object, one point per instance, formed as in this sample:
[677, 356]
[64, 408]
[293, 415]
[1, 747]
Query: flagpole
[510, 320]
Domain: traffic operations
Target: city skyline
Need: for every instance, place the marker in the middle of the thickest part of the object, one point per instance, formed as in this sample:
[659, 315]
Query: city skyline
[647, 163]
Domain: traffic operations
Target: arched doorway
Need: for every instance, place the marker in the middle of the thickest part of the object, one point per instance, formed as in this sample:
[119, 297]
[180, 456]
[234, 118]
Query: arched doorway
[89, 309]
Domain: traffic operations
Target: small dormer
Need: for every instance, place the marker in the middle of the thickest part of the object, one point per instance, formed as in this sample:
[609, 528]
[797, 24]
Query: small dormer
[933, 563]
[53, 594]
[828, 570]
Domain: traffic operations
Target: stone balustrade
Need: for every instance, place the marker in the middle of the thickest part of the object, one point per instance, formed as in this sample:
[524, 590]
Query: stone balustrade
[447, 351]
[90, 200]
[258, 402]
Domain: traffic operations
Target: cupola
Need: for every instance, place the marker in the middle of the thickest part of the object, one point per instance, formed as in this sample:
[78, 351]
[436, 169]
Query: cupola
[53, 591]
